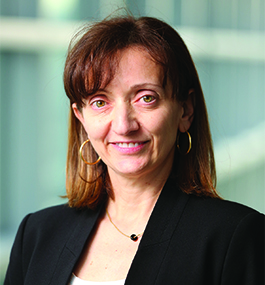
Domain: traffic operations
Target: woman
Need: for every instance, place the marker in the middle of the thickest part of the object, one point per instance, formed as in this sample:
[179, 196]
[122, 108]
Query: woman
[144, 210]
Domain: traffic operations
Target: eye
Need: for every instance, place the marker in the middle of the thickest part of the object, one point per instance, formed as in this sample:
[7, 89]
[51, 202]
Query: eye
[99, 103]
[148, 98]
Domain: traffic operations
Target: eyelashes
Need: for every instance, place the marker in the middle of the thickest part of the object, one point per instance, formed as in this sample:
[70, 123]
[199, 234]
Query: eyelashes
[148, 98]
[99, 103]
[102, 101]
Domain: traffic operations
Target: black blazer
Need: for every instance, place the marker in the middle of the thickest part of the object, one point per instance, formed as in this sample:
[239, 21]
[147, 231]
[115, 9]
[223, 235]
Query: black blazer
[188, 240]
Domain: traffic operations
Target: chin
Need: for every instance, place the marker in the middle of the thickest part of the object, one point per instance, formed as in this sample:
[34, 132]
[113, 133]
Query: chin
[132, 169]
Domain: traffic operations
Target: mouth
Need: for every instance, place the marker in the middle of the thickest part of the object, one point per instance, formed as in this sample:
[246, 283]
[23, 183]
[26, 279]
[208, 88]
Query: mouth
[128, 145]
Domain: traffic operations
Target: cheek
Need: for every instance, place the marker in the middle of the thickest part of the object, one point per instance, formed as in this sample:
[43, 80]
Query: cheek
[96, 128]
[167, 125]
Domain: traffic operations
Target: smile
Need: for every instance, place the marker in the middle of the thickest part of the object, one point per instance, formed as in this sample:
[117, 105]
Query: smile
[128, 145]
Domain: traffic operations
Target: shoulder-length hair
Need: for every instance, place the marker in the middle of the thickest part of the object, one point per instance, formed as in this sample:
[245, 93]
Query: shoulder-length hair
[91, 65]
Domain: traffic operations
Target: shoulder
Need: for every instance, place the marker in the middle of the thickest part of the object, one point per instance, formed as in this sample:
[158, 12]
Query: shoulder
[42, 237]
[228, 233]
[235, 233]
[218, 209]
[221, 219]
[205, 214]
[55, 214]
[48, 218]
[52, 226]
[54, 219]
[212, 211]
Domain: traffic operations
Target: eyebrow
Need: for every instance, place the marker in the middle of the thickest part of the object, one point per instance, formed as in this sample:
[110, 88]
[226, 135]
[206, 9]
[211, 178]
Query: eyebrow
[134, 87]
[142, 85]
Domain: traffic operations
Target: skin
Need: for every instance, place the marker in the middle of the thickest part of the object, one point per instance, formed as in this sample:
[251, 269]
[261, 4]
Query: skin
[132, 125]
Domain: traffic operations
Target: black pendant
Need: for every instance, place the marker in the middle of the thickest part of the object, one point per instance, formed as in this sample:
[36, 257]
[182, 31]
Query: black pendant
[134, 237]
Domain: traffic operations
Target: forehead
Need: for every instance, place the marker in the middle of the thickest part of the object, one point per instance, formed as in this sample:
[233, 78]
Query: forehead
[135, 65]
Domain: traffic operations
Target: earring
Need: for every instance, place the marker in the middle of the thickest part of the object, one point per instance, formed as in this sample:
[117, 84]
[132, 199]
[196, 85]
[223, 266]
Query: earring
[81, 155]
[189, 148]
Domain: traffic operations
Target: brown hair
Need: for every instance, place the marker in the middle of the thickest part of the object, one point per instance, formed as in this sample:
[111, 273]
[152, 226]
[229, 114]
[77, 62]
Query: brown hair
[91, 64]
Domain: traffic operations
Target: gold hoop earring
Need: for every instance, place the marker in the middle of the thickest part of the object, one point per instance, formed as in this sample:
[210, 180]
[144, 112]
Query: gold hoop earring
[81, 155]
[189, 139]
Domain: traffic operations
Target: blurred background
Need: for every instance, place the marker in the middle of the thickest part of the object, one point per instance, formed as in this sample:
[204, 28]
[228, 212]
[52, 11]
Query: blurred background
[227, 41]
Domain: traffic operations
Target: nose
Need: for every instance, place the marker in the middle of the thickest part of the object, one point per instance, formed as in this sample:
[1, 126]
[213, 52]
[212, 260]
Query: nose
[124, 120]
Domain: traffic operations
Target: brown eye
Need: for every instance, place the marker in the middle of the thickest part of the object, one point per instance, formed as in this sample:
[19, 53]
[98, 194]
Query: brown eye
[148, 98]
[100, 103]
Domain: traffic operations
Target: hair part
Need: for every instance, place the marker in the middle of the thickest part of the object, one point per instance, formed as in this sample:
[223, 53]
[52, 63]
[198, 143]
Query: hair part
[91, 65]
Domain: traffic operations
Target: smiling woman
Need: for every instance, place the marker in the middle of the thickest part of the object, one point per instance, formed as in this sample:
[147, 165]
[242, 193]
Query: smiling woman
[101, 56]
[145, 209]
[132, 124]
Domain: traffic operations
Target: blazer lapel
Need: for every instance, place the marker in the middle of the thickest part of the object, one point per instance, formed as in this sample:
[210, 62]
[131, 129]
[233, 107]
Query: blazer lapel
[73, 248]
[154, 243]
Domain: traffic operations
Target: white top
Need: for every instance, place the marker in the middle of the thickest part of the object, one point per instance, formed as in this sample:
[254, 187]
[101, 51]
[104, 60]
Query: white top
[77, 281]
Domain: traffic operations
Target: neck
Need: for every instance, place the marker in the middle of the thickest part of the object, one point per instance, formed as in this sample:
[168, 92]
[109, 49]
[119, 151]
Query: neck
[134, 198]
[129, 212]
[133, 203]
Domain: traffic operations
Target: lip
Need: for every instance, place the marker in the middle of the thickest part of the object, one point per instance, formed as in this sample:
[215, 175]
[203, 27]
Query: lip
[129, 147]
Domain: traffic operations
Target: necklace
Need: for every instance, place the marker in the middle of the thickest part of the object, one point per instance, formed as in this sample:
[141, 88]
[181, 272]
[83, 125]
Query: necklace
[133, 237]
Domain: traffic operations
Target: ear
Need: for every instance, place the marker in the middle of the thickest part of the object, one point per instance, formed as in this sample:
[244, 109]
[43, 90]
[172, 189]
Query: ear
[188, 112]
[78, 113]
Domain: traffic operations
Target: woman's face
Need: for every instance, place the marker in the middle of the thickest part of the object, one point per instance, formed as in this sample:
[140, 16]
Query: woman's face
[133, 122]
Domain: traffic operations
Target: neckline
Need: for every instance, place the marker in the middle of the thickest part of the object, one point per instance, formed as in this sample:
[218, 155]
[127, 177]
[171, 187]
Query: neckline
[88, 282]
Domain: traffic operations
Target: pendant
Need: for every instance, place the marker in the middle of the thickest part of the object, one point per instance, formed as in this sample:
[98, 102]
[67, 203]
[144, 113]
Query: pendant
[134, 237]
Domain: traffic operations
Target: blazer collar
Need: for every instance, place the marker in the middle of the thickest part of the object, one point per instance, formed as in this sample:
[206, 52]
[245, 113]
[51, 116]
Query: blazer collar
[152, 247]
[85, 220]
[161, 226]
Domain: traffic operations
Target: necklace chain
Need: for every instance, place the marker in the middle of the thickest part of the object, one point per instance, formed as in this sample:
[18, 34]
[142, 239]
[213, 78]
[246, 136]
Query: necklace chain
[133, 237]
